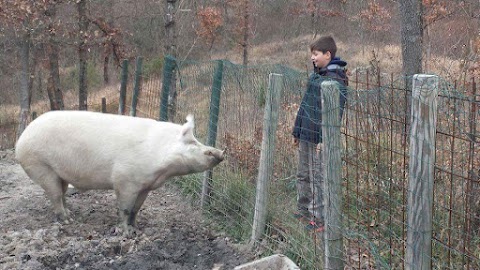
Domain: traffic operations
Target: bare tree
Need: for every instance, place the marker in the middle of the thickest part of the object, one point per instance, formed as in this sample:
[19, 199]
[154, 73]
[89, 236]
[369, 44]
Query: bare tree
[412, 36]
[246, 29]
[82, 54]
[55, 94]
[112, 44]
[171, 49]
[20, 15]
[241, 25]
[25, 90]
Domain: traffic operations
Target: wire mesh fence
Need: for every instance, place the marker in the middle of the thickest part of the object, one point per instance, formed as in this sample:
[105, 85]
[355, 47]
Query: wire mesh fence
[375, 134]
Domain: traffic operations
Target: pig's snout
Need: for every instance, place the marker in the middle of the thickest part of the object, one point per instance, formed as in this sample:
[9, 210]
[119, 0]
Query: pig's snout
[217, 154]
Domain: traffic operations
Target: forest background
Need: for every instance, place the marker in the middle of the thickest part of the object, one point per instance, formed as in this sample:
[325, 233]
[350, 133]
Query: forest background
[61, 53]
[48, 48]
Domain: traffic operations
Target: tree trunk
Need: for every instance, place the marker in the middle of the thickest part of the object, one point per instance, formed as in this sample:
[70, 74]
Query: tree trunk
[314, 18]
[246, 28]
[55, 94]
[25, 91]
[412, 36]
[82, 54]
[106, 59]
[226, 32]
[171, 49]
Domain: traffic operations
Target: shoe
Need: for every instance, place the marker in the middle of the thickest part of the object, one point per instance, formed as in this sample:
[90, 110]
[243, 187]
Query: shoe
[315, 226]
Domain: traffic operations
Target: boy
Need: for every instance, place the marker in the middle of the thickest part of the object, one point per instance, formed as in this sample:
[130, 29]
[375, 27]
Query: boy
[307, 131]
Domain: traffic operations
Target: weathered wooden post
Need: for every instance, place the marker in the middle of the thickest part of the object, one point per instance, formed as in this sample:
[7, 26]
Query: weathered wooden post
[212, 128]
[123, 87]
[136, 86]
[332, 178]
[421, 172]
[265, 170]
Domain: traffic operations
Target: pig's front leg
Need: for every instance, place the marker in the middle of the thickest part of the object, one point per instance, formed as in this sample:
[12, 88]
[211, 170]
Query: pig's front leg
[138, 204]
[126, 209]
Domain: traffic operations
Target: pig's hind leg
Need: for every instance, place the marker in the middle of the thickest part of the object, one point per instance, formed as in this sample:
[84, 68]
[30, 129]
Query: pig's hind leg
[54, 187]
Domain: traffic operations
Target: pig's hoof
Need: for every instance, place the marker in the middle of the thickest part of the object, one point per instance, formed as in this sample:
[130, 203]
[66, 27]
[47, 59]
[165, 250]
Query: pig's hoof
[127, 232]
[63, 219]
[72, 191]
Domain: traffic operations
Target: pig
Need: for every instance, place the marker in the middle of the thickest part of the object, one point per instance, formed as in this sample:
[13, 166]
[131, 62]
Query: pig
[90, 150]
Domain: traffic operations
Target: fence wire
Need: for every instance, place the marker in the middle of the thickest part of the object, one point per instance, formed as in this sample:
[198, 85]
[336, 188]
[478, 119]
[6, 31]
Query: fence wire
[376, 135]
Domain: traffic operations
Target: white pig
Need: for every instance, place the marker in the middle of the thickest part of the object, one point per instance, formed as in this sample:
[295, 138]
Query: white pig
[104, 151]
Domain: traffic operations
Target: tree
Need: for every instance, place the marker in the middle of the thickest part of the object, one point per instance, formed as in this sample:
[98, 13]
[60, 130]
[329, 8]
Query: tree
[412, 36]
[324, 9]
[23, 15]
[211, 21]
[55, 94]
[25, 90]
[171, 49]
[82, 54]
[111, 43]
[246, 29]
[242, 29]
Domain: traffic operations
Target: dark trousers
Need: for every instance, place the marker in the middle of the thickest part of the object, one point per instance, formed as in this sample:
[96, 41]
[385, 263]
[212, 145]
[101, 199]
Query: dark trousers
[310, 181]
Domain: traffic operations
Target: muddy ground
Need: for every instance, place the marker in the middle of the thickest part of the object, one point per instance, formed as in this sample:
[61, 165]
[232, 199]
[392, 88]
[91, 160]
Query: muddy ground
[172, 234]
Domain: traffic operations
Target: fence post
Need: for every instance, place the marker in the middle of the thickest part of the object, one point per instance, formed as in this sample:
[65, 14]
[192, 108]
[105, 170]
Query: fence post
[265, 170]
[136, 86]
[168, 70]
[332, 190]
[123, 87]
[104, 105]
[212, 128]
[421, 171]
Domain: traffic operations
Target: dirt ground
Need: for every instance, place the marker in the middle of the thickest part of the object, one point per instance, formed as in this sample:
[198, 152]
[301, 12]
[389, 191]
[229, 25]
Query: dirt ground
[172, 235]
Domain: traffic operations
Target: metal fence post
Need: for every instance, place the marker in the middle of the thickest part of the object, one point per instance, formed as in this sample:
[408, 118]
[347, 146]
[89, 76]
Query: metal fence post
[212, 128]
[136, 86]
[168, 70]
[421, 172]
[332, 190]
[265, 170]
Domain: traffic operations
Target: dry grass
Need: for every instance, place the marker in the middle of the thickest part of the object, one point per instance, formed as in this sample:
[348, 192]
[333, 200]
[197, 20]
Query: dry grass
[388, 59]
[293, 53]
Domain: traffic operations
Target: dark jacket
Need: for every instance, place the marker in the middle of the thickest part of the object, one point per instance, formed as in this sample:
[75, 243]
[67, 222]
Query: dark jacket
[309, 118]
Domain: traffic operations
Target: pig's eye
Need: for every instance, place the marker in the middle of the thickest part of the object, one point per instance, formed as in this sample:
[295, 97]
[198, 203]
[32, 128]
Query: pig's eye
[208, 153]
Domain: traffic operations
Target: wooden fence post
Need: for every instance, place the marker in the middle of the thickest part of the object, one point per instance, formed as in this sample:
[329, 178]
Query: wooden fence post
[212, 128]
[332, 190]
[136, 86]
[265, 170]
[104, 105]
[123, 87]
[421, 172]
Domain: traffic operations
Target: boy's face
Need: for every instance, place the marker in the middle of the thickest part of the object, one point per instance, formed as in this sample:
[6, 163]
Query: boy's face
[321, 59]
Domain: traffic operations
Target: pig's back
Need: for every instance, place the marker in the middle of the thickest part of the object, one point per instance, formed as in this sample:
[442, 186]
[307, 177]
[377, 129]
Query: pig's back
[86, 146]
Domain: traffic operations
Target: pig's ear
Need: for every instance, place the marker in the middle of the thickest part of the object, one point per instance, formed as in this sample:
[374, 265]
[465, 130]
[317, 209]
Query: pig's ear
[187, 128]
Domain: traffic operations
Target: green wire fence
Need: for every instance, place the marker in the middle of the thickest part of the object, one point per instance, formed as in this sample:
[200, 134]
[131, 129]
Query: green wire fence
[379, 125]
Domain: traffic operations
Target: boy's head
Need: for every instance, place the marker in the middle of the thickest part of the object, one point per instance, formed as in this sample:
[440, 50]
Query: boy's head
[323, 50]
[324, 44]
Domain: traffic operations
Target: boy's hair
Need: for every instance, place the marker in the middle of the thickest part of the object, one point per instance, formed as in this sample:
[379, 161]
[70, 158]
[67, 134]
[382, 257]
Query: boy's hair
[324, 44]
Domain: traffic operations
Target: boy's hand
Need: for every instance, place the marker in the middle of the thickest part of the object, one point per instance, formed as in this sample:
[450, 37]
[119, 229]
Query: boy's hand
[320, 147]
[295, 142]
